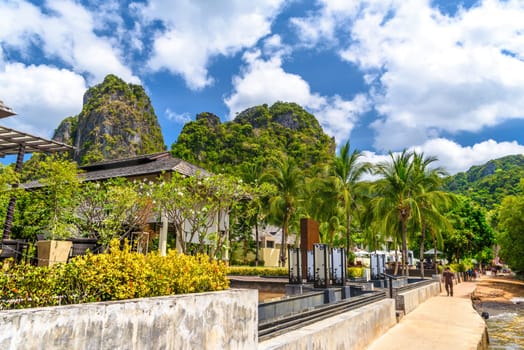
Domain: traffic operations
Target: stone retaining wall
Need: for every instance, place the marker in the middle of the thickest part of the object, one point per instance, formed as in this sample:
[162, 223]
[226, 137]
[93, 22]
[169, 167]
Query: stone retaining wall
[409, 300]
[215, 320]
[354, 329]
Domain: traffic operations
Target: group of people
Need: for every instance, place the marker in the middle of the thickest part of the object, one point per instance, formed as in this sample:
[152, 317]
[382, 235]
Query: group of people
[471, 274]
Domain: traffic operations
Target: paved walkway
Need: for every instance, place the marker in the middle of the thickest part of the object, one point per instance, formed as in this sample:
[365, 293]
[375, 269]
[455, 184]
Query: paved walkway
[441, 322]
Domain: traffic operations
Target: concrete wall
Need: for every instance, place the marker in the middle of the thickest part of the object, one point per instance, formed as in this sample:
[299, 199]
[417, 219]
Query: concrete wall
[215, 320]
[409, 300]
[354, 329]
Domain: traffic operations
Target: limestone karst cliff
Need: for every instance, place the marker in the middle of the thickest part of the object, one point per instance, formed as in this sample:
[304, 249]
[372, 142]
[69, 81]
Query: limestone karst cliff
[117, 121]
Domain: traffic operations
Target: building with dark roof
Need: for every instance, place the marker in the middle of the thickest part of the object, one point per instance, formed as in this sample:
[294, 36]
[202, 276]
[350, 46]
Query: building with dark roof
[138, 167]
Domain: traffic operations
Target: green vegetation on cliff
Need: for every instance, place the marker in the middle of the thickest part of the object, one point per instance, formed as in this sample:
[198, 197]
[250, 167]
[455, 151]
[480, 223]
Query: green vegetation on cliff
[488, 184]
[257, 136]
[116, 121]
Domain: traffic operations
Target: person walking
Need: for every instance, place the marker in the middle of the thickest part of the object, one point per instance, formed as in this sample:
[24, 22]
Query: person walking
[448, 277]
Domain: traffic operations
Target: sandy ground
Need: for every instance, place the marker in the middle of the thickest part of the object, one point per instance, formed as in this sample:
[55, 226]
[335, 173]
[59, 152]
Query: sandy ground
[494, 294]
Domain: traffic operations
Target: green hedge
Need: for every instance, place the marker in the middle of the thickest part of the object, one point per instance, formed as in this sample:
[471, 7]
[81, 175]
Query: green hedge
[257, 271]
[353, 272]
[119, 274]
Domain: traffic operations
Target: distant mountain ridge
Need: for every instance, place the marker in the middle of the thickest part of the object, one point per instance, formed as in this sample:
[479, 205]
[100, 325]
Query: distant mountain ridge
[488, 184]
[117, 121]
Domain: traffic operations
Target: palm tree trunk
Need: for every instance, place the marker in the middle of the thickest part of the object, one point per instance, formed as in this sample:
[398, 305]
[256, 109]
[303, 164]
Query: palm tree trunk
[282, 257]
[422, 238]
[404, 248]
[396, 260]
[435, 255]
[256, 241]
[284, 241]
[348, 234]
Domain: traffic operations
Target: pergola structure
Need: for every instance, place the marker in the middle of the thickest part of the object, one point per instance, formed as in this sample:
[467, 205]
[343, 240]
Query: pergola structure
[19, 143]
[11, 141]
[5, 111]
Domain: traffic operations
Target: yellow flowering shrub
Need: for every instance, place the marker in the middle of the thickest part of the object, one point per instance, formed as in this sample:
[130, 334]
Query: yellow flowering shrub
[355, 272]
[116, 275]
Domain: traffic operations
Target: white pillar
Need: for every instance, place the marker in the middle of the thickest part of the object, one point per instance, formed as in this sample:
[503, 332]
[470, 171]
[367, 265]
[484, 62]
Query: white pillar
[162, 242]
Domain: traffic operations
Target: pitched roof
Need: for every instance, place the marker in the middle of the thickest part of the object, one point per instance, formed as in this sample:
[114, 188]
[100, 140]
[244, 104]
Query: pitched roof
[144, 165]
[149, 164]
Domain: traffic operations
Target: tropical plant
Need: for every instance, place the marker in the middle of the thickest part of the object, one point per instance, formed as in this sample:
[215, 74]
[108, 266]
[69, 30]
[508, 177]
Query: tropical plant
[323, 206]
[470, 232]
[431, 200]
[199, 208]
[348, 171]
[394, 202]
[113, 209]
[8, 189]
[289, 182]
[226, 195]
[57, 197]
[254, 208]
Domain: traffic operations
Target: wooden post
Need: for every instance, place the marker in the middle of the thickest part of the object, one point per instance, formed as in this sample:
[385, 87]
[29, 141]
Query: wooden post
[309, 235]
[12, 202]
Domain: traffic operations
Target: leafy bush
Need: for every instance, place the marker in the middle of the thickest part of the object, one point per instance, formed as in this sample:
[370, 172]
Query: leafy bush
[458, 267]
[355, 272]
[257, 271]
[117, 275]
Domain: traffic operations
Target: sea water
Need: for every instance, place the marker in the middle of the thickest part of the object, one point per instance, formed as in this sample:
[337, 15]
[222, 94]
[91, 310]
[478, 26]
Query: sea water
[506, 330]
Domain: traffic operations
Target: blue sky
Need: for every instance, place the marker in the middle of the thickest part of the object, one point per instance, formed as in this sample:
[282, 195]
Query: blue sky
[442, 77]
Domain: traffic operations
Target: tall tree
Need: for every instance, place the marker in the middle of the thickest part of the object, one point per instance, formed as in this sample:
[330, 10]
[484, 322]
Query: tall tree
[471, 232]
[323, 206]
[348, 171]
[289, 181]
[511, 228]
[394, 202]
[431, 200]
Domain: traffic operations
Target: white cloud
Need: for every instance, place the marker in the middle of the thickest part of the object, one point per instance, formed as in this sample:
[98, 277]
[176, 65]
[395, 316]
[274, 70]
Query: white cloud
[317, 28]
[66, 31]
[432, 72]
[453, 157]
[41, 95]
[49, 55]
[195, 32]
[181, 118]
[456, 158]
[265, 82]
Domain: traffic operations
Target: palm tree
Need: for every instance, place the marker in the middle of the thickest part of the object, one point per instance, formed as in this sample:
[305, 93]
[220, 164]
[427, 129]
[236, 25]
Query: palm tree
[394, 201]
[322, 205]
[252, 175]
[430, 198]
[288, 180]
[348, 171]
